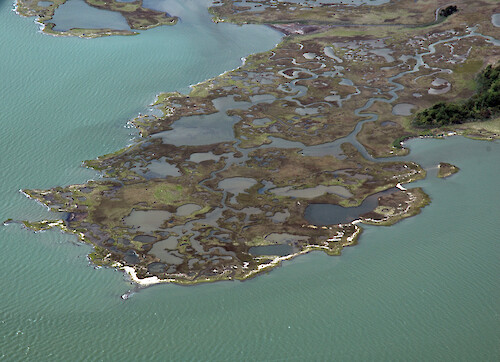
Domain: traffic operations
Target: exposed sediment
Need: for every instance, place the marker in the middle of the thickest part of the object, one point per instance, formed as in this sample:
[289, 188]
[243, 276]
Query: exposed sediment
[447, 169]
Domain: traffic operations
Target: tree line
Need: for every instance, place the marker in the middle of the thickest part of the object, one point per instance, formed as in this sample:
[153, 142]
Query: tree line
[448, 11]
[481, 106]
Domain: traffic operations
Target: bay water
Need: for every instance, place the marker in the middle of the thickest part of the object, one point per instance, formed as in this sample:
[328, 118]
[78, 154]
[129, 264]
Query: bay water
[423, 289]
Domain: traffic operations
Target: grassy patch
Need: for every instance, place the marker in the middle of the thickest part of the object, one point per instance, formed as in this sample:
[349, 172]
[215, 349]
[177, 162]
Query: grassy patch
[170, 193]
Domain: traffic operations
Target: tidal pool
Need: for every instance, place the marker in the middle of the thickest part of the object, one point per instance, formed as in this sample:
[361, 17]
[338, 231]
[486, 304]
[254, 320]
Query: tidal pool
[168, 257]
[131, 257]
[156, 268]
[346, 81]
[236, 185]
[329, 214]
[333, 98]
[169, 243]
[280, 216]
[403, 109]
[77, 14]
[211, 128]
[204, 156]
[384, 52]
[283, 245]
[275, 250]
[330, 53]
[158, 169]
[147, 221]
[280, 238]
[330, 148]
[261, 121]
[307, 111]
[309, 55]
[187, 209]
[146, 239]
[311, 192]
[495, 20]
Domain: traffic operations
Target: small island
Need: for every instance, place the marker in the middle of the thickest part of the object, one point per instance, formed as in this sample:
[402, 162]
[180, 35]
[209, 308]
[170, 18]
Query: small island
[289, 153]
[446, 170]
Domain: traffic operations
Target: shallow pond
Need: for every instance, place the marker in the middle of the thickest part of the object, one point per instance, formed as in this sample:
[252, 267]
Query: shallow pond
[146, 239]
[280, 217]
[331, 54]
[495, 20]
[403, 109]
[147, 221]
[307, 111]
[309, 55]
[77, 14]
[328, 214]
[280, 238]
[131, 257]
[158, 169]
[168, 243]
[236, 185]
[187, 209]
[156, 268]
[330, 148]
[333, 98]
[204, 156]
[385, 53]
[211, 128]
[168, 257]
[261, 121]
[346, 81]
[311, 192]
[275, 250]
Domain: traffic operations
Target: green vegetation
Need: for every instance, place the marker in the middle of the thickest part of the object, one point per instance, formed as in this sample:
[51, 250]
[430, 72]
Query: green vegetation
[447, 11]
[169, 193]
[483, 105]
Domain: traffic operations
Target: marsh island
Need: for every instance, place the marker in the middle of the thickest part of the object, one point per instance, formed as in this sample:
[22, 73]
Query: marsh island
[93, 18]
[291, 152]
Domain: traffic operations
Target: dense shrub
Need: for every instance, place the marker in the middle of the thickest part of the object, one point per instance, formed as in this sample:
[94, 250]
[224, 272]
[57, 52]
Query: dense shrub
[448, 11]
[483, 105]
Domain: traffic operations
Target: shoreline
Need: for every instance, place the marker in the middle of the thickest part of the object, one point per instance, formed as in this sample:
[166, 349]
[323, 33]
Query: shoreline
[131, 274]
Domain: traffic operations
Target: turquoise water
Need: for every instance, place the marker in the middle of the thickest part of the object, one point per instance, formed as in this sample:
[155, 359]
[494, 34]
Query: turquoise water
[424, 289]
